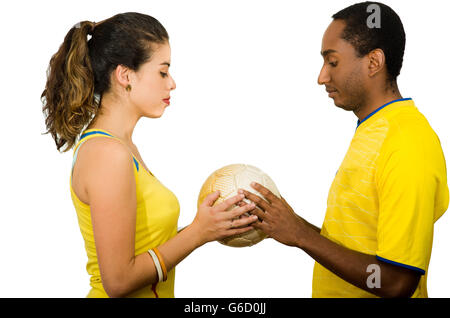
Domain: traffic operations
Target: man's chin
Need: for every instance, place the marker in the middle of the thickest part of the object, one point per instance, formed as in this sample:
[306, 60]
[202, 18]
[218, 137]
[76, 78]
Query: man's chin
[344, 106]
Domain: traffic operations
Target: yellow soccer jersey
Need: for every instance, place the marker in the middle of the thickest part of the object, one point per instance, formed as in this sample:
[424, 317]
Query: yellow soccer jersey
[390, 189]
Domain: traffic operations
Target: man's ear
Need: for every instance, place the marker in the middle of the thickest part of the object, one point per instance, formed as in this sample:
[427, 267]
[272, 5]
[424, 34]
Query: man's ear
[377, 62]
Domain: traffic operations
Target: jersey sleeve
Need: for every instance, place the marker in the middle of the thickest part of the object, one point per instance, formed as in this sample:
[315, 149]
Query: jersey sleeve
[406, 191]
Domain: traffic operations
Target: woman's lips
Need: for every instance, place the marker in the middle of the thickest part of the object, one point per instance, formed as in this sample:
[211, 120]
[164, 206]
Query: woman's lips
[167, 101]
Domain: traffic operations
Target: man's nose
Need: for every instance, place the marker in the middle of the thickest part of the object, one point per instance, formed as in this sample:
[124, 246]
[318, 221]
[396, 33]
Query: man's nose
[324, 77]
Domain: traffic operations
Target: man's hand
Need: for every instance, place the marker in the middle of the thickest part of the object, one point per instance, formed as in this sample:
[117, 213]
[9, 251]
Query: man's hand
[276, 218]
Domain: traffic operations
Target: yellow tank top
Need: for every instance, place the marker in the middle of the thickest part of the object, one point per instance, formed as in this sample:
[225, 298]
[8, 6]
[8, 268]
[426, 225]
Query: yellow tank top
[157, 213]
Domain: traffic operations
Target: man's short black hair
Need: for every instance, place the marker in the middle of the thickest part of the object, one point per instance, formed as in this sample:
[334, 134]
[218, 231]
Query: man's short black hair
[389, 36]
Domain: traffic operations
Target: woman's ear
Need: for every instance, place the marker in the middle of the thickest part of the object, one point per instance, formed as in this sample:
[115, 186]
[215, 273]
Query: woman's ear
[121, 75]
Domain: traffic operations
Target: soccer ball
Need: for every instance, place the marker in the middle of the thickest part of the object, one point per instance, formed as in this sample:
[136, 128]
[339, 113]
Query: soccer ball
[228, 180]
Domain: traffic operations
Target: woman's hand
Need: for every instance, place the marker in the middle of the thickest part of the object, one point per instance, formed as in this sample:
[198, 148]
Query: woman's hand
[216, 222]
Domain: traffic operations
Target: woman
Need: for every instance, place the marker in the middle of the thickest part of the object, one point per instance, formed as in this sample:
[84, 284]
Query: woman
[96, 92]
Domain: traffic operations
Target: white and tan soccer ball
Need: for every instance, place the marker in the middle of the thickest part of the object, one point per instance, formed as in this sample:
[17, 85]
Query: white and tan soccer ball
[228, 180]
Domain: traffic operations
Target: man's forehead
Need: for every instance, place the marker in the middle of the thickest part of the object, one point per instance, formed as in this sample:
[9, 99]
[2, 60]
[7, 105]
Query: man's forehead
[332, 41]
[334, 30]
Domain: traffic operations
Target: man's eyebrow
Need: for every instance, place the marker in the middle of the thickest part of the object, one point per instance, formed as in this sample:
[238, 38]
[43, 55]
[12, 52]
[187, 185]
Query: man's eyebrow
[165, 63]
[326, 52]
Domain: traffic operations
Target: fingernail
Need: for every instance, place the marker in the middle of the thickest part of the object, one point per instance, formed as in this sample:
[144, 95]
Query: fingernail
[253, 184]
[240, 191]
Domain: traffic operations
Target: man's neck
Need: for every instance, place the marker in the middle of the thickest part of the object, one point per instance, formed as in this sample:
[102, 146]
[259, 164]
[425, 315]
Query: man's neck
[376, 100]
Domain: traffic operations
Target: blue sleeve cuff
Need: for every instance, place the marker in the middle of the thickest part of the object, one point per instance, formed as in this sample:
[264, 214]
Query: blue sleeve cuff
[419, 270]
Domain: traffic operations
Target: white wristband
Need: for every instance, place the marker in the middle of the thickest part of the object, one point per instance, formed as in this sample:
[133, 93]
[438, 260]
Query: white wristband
[157, 265]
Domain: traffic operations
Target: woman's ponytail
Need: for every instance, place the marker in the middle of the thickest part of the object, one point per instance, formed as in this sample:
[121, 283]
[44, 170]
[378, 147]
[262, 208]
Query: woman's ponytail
[68, 98]
[82, 69]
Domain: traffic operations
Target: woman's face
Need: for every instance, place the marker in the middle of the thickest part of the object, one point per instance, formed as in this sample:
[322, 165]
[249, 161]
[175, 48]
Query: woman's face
[152, 84]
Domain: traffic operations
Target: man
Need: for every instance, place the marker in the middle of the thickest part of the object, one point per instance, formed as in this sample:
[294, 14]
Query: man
[377, 234]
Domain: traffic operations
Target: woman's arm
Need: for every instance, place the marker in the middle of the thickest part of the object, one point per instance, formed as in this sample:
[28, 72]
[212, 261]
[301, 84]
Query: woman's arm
[107, 172]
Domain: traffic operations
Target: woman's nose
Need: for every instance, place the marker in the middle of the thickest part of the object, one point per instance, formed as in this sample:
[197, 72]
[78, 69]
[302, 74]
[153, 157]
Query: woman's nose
[173, 85]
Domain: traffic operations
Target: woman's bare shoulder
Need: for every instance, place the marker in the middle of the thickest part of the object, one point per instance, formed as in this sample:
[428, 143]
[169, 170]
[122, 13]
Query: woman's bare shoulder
[100, 163]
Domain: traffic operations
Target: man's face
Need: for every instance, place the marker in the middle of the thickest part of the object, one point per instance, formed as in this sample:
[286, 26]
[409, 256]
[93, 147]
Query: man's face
[343, 72]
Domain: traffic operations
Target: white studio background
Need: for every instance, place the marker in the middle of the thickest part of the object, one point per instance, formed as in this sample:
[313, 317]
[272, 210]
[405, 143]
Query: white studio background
[246, 74]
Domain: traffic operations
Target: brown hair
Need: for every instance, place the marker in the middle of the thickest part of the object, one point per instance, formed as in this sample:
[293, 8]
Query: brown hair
[79, 72]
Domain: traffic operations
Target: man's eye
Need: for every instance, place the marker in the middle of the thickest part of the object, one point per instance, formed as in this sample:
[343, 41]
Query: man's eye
[163, 74]
[333, 64]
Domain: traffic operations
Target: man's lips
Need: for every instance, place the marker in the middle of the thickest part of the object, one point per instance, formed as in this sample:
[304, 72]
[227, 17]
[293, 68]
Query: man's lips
[331, 91]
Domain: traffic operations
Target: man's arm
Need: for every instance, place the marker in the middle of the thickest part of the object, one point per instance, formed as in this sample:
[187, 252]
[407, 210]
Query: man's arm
[312, 226]
[280, 222]
[356, 268]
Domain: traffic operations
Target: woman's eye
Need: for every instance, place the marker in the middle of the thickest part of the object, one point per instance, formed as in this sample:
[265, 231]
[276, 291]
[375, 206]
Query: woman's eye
[333, 64]
[163, 74]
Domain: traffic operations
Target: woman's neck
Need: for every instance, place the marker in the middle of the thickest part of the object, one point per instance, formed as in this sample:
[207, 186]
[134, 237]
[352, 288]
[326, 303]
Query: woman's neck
[117, 118]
